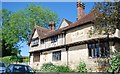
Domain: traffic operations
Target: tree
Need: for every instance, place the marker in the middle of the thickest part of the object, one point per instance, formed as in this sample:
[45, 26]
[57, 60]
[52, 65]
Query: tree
[23, 21]
[17, 26]
[5, 46]
[108, 21]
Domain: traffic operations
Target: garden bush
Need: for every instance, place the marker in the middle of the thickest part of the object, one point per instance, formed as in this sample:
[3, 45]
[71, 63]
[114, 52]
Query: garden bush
[9, 59]
[82, 67]
[26, 60]
[6, 60]
[49, 67]
[63, 69]
[115, 63]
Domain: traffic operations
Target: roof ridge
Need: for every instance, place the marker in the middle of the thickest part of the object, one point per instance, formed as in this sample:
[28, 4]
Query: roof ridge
[41, 27]
[68, 21]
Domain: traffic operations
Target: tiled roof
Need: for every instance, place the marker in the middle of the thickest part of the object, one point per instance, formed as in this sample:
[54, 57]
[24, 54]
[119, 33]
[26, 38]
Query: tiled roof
[41, 32]
[46, 33]
[69, 22]
[87, 18]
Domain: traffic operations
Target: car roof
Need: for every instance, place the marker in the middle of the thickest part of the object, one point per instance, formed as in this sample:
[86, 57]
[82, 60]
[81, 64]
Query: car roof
[1, 62]
[19, 64]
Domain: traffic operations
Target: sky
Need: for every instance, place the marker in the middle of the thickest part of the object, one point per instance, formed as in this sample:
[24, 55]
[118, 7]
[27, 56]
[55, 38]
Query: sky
[66, 10]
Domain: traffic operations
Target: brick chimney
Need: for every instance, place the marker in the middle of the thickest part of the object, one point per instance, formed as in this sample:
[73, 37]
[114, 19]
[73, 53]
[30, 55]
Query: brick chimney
[51, 25]
[80, 9]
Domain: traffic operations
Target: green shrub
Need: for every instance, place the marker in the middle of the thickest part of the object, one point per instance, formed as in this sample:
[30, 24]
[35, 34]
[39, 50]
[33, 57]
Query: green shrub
[82, 67]
[63, 69]
[6, 60]
[49, 67]
[9, 59]
[115, 63]
[13, 59]
[26, 60]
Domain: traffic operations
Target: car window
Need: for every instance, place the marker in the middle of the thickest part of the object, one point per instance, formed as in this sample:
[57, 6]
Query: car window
[29, 69]
[10, 67]
[19, 68]
[2, 64]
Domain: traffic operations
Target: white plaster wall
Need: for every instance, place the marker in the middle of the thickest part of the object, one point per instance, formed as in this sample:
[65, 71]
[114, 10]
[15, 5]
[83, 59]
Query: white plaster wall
[61, 39]
[64, 24]
[37, 47]
[79, 53]
[34, 48]
[35, 35]
[33, 64]
[46, 57]
[78, 34]
[117, 33]
[31, 58]
[115, 47]
[63, 60]
[48, 43]
[75, 55]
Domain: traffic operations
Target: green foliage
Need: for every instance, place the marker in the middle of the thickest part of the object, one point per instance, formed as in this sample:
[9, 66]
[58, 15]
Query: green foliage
[115, 63]
[10, 59]
[26, 60]
[63, 69]
[17, 26]
[82, 67]
[13, 59]
[49, 67]
[108, 21]
[6, 60]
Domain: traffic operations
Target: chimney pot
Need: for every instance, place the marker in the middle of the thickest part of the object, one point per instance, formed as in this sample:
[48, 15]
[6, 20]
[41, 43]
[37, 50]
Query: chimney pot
[80, 8]
[52, 25]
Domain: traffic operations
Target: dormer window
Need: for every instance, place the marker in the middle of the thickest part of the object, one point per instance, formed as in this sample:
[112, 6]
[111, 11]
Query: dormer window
[35, 42]
[54, 39]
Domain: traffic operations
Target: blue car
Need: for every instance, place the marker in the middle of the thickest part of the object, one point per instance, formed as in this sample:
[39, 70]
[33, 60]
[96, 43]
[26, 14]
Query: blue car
[2, 68]
[19, 69]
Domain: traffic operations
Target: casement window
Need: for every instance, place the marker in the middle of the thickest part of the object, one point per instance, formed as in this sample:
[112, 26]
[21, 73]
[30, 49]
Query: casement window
[98, 50]
[56, 56]
[54, 39]
[42, 41]
[35, 42]
[36, 57]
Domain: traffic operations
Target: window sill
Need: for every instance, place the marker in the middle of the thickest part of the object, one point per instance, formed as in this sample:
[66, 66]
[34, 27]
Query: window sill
[56, 60]
[90, 58]
[34, 45]
[96, 57]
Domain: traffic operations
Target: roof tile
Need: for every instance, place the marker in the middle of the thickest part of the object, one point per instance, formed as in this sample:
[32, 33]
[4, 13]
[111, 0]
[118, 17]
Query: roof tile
[46, 33]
